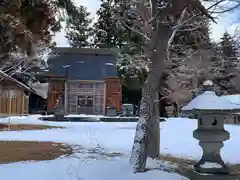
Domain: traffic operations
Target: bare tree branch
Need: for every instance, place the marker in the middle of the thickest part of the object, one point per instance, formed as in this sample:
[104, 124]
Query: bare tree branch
[224, 11]
[164, 6]
[135, 30]
[175, 29]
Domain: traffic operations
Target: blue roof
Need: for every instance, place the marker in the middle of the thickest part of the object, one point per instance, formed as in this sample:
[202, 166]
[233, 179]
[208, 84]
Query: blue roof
[83, 64]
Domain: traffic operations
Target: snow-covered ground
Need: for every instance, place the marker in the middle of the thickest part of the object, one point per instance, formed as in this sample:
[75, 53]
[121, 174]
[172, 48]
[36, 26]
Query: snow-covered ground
[80, 169]
[111, 137]
[97, 117]
[176, 136]
[176, 140]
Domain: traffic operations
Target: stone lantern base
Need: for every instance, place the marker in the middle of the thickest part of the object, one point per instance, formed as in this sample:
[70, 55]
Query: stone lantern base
[214, 166]
[211, 143]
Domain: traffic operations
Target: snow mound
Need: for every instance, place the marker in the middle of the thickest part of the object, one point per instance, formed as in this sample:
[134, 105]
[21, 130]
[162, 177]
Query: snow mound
[208, 83]
[31, 119]
[211, 165]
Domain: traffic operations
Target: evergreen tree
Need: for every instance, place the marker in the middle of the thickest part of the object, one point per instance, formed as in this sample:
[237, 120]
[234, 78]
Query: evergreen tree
[106, 32]
[78, 28]
[230, 68]
[109, 31]
[27, 27]
[229, 51]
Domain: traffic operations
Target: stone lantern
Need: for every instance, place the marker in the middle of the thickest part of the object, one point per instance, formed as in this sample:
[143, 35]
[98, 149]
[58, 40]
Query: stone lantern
[211, 111]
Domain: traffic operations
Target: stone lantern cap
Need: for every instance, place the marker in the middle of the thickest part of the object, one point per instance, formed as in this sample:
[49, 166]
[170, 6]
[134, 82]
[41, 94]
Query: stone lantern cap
[210, 101]
[208, 83]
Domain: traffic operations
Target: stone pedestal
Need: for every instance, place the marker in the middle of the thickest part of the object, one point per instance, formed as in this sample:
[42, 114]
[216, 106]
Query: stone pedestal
[127, 110]
[211, 161]
[211, 135]
[111, 111]
[59, 110]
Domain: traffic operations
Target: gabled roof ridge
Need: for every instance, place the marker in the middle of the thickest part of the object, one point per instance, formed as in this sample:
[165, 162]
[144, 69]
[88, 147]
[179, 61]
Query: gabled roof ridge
[6, 76]
[97, 51]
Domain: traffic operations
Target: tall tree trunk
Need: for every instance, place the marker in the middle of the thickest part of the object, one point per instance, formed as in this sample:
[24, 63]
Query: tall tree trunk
[145, 130]
[139, 150]
[153, 115]
[147, 136]
[156, 71]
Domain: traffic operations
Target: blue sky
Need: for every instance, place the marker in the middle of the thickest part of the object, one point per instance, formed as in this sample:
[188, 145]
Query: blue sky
[227, 21]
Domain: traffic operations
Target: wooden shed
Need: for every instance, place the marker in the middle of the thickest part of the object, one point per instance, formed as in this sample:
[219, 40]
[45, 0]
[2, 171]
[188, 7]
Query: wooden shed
[13, 96]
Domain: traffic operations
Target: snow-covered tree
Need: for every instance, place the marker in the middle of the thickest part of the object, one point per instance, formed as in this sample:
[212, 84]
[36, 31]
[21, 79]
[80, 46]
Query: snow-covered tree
[230, 65]
[157, 22]
[186, 58]
[26, 26]
[133, 73]
[107, 34]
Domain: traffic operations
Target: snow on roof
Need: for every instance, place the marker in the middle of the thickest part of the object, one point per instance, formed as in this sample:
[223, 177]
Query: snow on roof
[41, 89]
[210, 101]
[232, 98]
[18, 83]
[208, 83]
[127, 104]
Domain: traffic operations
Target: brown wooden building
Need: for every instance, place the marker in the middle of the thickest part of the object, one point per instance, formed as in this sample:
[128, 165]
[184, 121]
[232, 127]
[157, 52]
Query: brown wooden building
[86, 79]
[13, 96]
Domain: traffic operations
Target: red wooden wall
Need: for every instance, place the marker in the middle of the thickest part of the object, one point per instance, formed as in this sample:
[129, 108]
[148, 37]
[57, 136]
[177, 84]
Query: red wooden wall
[113, 91]
[56, 88]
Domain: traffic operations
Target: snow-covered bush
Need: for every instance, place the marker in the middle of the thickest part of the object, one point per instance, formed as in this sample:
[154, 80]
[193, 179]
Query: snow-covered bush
[131, 73]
